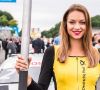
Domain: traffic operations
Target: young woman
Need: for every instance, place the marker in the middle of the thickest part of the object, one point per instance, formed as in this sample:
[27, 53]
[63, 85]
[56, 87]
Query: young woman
[74, 64]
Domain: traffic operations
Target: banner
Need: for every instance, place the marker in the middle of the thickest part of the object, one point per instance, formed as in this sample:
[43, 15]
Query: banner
[7, 0]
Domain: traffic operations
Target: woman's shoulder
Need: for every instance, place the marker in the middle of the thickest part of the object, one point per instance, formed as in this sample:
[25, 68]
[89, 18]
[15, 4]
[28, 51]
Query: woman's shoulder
[49, 51]
[48, 57]
[52, 48]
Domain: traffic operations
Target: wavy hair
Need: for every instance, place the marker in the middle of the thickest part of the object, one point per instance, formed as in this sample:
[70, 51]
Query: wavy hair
[91, 53]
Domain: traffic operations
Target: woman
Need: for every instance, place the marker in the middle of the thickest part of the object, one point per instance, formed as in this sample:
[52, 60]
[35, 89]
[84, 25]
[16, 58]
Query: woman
[74, 64]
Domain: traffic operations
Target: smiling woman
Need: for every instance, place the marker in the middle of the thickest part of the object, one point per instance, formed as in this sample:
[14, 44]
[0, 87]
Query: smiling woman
[76, 24]
[73, 61]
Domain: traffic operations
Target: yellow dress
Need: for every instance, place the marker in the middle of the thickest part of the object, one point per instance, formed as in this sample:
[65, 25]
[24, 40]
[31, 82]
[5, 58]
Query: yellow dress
[75, 74]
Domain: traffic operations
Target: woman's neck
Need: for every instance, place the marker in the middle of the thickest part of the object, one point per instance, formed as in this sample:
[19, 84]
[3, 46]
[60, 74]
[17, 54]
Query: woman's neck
[76, 48]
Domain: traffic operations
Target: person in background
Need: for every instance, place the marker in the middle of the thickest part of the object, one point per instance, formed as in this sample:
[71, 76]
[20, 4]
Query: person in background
[98, 45]
[37, 44]
[95, 38]
[42, 45]
[11, 46]
[74, 63]
[56, 40]
[48, 43]
[4, 45]
[0, 44]
[18, 44]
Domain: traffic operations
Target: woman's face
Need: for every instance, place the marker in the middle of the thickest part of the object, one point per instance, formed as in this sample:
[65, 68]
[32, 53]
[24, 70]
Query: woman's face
[76, 25]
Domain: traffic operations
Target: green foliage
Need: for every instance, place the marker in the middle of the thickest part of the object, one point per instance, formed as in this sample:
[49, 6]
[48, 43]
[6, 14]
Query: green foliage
[12, 23]
[8, 15]
[54, 31]
[6, 19]
[1, 13]
[96, 21]
[3, 20]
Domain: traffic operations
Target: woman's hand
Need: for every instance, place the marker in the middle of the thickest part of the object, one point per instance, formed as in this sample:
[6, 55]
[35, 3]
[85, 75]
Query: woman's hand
[21, 64]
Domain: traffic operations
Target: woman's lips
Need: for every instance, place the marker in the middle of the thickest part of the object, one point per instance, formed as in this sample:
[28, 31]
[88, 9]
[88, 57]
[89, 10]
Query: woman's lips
[76, 32]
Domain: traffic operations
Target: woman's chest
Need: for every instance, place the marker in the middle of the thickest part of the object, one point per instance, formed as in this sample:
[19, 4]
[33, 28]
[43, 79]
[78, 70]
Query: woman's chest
[75, 69]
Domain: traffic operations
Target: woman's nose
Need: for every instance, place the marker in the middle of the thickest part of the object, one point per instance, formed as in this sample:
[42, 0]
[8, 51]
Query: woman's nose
[77, 26]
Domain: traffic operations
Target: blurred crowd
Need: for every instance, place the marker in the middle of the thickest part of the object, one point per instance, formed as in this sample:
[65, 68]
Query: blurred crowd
[10, 46]
[38, 45]
[96, 40]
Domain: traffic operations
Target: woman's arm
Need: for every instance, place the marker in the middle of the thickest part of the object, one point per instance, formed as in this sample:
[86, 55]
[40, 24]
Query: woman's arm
[46, 72]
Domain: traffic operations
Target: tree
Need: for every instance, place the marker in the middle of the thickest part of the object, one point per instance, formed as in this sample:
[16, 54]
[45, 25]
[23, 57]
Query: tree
[6, 19]
[54, 31]
[12, 23]
[1, 13]
[44, 33]
[8, 15]
[3, 20]
[96, 21]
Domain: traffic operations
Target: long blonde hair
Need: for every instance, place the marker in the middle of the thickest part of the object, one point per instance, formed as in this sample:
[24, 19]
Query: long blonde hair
[91, 53]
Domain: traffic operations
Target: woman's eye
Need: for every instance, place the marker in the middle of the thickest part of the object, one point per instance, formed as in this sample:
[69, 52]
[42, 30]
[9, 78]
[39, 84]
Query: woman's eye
[71, 22]
[82, 23]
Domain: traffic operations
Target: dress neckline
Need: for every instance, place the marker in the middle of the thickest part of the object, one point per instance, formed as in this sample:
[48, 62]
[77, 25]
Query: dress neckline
[76, 56]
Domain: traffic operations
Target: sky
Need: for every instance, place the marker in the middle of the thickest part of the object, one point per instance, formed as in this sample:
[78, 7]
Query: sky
[46, 13]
